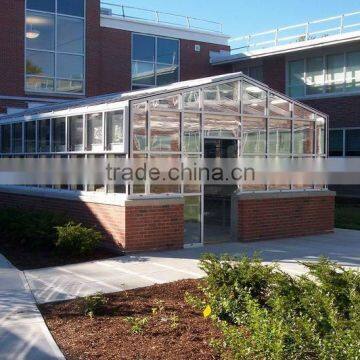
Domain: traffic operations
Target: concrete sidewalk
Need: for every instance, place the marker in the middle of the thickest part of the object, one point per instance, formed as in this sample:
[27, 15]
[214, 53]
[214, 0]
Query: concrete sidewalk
[23, 332]
[128, 272]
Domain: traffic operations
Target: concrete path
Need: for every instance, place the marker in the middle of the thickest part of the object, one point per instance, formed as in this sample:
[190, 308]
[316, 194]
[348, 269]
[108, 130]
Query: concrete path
[128, 272]
[23, 333]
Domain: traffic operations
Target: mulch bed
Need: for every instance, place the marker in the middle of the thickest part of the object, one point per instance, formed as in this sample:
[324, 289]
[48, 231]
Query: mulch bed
[109, 335]
[25, 259]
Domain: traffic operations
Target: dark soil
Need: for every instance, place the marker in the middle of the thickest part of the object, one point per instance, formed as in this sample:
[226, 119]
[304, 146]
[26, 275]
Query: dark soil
[109, 335]
[25, 259]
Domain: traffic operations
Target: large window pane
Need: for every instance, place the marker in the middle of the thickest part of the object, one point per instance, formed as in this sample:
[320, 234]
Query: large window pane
[296, 78]
[353, 71]
[70, 86]
[352, 142]
[167, 103]
[44, 135]
[94, 131]
[70, 35]
[303, 113]
[167, 51]
[334, 73]
[143, 73]
[42, 5]
[192, 218]
[320, 135]
[70, 67]
[222, 126]
[39, 84]
[303, 137]
[192, 134]
[58, 135]
[336, 143]
[143, 48]
[17, 137]
[314, 75]
[139, 127]
[254, 99]
[254, 135]
[279, 136]
[76, 133]
[279, 106]
[191, 100]
[40, 63]
[71, 7]
[166, 74]
[5, 138]
[165, 131]
[222, 98]
[115, 129]
[30, 135]
[40, 31]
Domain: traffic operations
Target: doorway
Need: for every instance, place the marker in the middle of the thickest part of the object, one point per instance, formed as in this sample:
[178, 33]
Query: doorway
[217, 198]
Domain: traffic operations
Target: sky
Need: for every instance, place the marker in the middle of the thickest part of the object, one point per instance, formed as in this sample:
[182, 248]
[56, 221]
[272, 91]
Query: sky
[241, 17]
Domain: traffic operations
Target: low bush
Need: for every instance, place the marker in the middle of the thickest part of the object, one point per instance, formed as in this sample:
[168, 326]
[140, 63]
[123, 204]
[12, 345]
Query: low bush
[31, 229]
[265, 313]
[93, 304]
[76, 240]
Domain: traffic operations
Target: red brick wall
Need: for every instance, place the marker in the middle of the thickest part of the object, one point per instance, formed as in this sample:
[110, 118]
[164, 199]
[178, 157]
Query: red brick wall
[277, 217]
[274, 72]
[128, 228]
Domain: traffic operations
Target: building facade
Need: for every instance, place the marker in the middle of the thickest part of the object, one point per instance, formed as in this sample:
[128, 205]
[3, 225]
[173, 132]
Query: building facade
[56, 50]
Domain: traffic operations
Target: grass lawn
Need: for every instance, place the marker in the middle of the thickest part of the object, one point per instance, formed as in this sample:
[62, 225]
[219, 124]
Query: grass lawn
[148, 323]
[347, 215]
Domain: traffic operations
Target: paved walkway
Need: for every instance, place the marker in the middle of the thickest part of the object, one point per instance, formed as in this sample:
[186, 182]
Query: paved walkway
[128, 272]
[23, 333]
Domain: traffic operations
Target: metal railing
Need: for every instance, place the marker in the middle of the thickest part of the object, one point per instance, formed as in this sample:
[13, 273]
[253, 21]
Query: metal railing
[311, 30]
[133, 13]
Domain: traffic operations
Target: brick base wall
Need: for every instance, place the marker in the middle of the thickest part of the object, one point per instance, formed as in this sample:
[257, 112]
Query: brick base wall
[133, 226]
[270, 216]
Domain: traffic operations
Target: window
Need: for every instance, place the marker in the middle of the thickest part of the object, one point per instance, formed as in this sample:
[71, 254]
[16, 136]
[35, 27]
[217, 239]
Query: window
[256, 72]
[328, 74]
[115, 129]
[47, 46]
[94, 131]
[222, 98]
[76, 127]
[58, 135]
[17, 132]
[155, 61]
[44, 135]
[352, 142]
[254, 135]
[279, 137]
[336, 142]
[223, 126]
[254, 100]
[139, 127]
[192, 134]
[303, 137]
[30, 136]
[5, 138]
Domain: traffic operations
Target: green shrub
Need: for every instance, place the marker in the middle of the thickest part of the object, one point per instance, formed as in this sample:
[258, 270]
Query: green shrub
[93, 304]
[76, 239]
[137, 323]
[265, 313]
[31, 229]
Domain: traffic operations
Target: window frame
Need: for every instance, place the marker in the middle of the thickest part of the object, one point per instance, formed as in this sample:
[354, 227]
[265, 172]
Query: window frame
[155, 62]
[55, 78]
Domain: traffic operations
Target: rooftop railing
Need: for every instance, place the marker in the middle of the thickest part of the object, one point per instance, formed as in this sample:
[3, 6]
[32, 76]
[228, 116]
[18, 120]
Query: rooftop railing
[311, 30]
[134, 13]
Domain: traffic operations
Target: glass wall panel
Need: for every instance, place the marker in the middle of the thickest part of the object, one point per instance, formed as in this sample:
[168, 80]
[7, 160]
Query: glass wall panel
[320, 136]
[303, 113]
[76, 133]
[30, 136]
[58, 134]
[166, 74]
[192, 218]
[167, 51]
[71, 7]
[171, 102]
[143, 48]
[39, 63]
[70, 35]
[5, 138]
[334, 73]
[352, 142]
[99, 187]
[40, 31]
[296, 70]
[94, 132]
[353, 71]
[279, 106]
[254, 135]
[165, 131]
[42, 5]
[17, 132]
[39, 84]
[115, 129]
[222, 98]
[191, 100]
[70, 66]
[139, 127]
[192, 132]
[44, 135]
[303, 137]
[222, 126]
[279, 137]
[143, 73]
[254, 99]
[70, 86]
[314, 75]
[336, 143]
